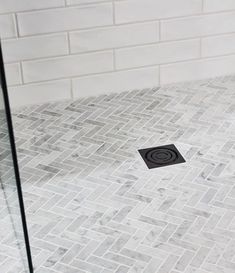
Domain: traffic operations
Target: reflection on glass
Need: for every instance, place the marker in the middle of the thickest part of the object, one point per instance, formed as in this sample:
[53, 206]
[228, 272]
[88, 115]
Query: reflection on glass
[11, 233]
[13, 254]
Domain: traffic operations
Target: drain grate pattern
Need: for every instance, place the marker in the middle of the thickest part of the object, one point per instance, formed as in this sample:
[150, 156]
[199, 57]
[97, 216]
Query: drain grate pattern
[161, 156]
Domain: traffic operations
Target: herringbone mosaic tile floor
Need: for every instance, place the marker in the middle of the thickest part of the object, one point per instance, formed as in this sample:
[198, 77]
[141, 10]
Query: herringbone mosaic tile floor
[93, 205]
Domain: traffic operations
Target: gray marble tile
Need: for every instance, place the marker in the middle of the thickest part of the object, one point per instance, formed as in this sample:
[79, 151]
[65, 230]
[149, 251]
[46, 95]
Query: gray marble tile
[93, 206]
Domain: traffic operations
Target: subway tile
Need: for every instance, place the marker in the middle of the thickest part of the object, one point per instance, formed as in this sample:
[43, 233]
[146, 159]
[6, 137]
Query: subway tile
[7, 26]
[35, 47]
[25, 5]
[79, 2]
[70, 66]
[198, 69]
[218, 45]
[115, 82]
[196, 26]
[115, 36]
[137, 10]
[157, 54]
[39, 93]
[45, 54]
[13, 74]
[62, 19]
[218, 5]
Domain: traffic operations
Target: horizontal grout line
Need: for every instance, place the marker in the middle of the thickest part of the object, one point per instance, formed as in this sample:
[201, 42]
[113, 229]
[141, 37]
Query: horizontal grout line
[42, 35]
[71, 77]
[156, 43]
[82, 53]
[70, 30]
[15, 85]
[84, 29]
[201, 36]
[66, 7]
[108, 49]
[195, 80]
[110, 26]
[117, 24]
[91, 3]
[82, 5]
[159, 66]
[68, 54]
[33, 10]
[85, 75]
[178, 17]
[204, 58]
[40, 83]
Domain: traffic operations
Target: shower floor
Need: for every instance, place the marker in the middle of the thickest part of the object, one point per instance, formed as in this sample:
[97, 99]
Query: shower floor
[94, 206]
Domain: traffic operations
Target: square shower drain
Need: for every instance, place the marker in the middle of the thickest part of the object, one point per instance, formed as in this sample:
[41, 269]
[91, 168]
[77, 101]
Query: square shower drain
[161, 156]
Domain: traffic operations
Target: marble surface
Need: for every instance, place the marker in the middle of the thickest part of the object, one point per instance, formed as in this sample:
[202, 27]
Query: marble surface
[93, 205]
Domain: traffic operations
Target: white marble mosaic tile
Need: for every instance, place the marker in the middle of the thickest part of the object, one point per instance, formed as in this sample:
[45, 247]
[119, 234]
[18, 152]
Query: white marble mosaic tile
[93, 205]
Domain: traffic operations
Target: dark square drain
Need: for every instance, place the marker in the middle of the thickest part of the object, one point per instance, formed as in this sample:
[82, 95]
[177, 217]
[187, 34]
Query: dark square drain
[161, 156]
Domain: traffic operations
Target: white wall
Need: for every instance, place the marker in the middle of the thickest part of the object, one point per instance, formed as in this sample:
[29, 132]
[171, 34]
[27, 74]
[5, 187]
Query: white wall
[58, 49]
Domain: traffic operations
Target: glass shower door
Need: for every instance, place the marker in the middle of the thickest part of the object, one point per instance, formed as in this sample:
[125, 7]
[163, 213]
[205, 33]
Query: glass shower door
[15, 256]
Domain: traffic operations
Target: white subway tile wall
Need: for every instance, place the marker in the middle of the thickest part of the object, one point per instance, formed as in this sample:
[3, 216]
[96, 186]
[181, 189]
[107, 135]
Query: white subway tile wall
[44, 92]
[35, 47]
[7, 26]
[64, 19]
[127, 11]
[13, 73]
[198, 26]
[60, 49]
[68, 66]
[116, 81]
[114, 37]
[219, 5]
[25, 5]
[218, 45]
[157, 54]
[198, 69]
